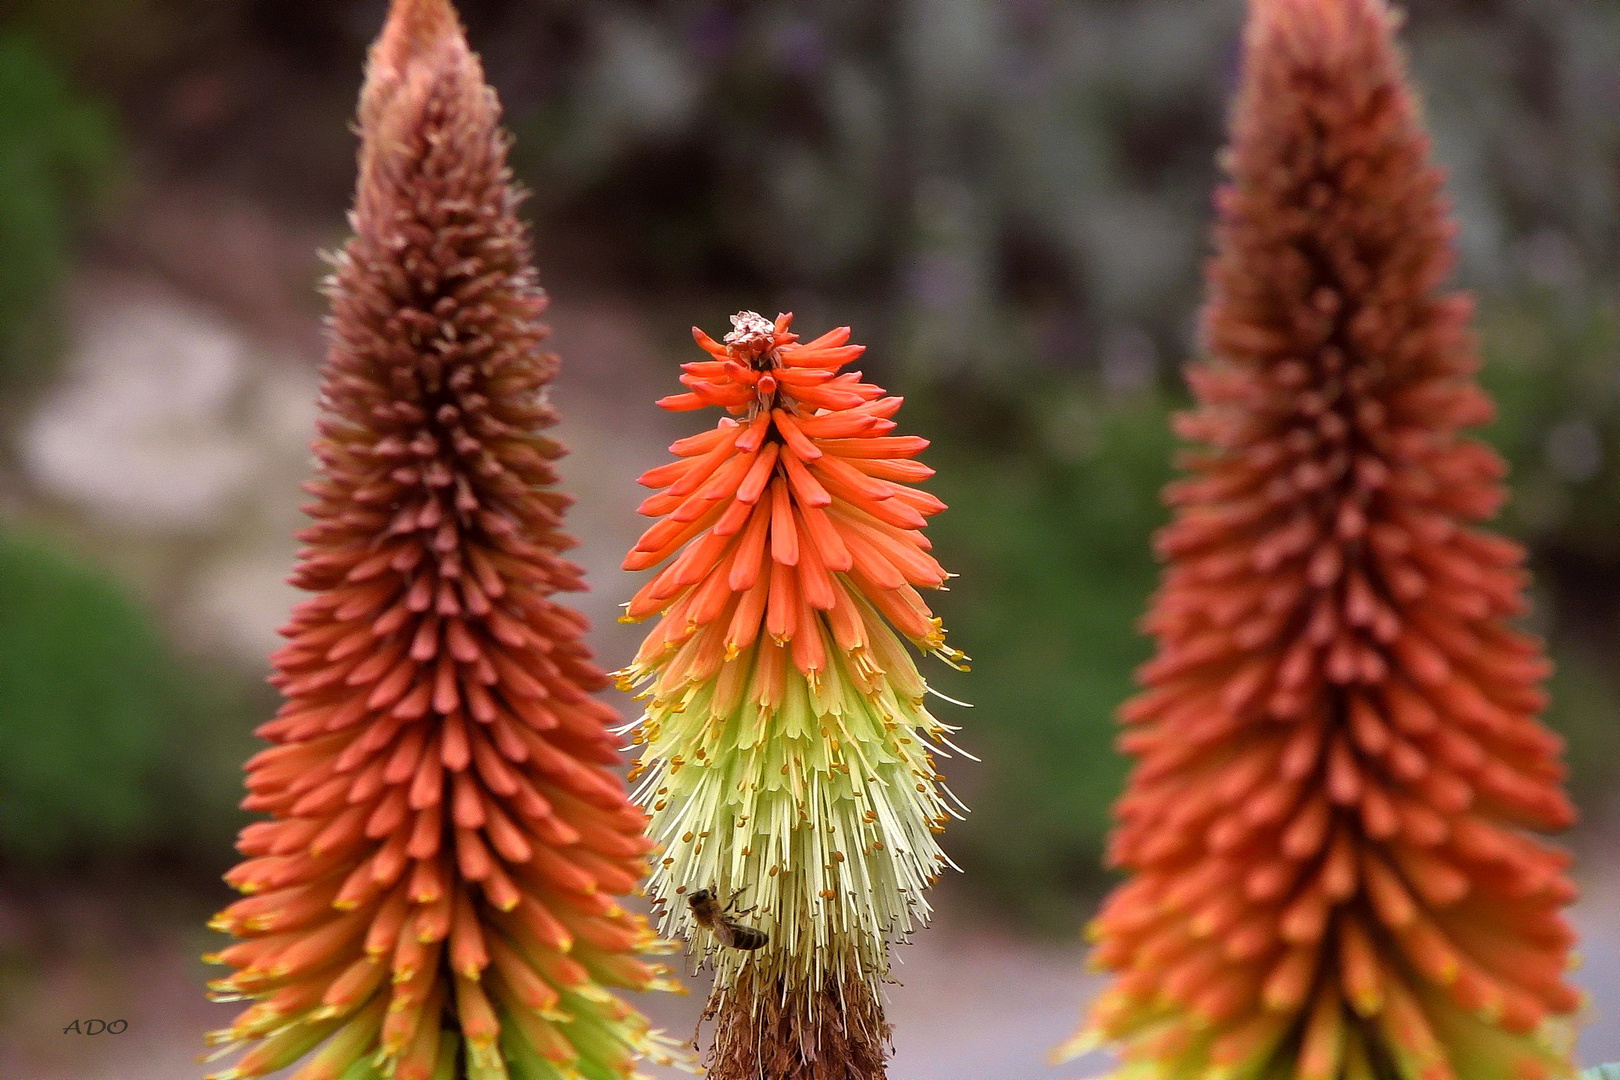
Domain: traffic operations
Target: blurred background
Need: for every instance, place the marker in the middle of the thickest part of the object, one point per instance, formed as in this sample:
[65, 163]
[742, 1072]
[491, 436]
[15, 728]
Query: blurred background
[1007, 199]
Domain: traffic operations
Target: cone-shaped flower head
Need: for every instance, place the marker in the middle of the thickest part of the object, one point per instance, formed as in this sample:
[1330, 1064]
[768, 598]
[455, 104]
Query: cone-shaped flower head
[1338, 745]
[789, 759]
[432, 896]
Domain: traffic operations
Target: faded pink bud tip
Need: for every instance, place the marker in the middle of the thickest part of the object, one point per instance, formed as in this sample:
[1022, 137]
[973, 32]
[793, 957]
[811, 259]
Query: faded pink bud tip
[414, 28]
[421, 42]
[1319, 29]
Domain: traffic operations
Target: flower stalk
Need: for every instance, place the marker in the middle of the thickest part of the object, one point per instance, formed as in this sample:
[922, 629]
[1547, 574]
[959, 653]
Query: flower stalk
[1338, 746]
[789, 759]
[432, 896]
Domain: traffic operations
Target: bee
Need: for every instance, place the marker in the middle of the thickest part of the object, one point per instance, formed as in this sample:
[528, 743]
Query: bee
[706, 909]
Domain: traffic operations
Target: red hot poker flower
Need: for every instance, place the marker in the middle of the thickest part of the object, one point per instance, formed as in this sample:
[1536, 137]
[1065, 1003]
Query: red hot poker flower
[1338, 745]
[432, 896]
[788, 753]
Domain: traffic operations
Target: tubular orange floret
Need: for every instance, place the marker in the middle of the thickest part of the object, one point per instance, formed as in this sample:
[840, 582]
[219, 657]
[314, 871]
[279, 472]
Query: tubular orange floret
[809, 464]
[1337, 742]
[441, 804]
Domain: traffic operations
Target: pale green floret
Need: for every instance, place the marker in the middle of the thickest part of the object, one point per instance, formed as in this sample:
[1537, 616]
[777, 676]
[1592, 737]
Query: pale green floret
[821, 813]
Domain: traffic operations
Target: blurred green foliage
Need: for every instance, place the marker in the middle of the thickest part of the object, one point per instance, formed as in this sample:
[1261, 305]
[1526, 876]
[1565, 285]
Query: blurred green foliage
[107, 746]
[1050, 531]
[1552, 363]
[85, 696]
[987, 184]
[55, 150]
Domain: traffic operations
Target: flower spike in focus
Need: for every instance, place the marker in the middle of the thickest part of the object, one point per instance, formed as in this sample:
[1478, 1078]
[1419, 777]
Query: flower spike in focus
[789, 754]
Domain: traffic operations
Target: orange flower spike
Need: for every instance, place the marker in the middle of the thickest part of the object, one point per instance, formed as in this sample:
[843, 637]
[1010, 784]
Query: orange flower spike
[434, 687]
[1337, 742]
[782, 703]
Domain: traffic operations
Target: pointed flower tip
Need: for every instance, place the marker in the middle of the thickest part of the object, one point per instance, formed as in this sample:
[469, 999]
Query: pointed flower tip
[414, 27]
[421, 42]
[1325, 23]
